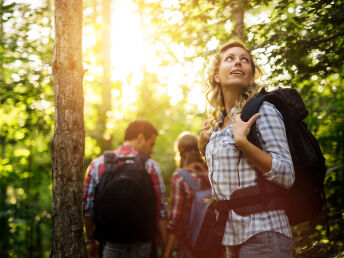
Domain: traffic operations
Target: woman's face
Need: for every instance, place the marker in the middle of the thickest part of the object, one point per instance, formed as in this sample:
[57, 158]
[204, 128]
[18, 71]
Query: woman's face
[235, 69]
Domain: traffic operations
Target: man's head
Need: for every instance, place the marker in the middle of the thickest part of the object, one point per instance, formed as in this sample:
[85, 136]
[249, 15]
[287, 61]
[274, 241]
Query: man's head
[142, 135]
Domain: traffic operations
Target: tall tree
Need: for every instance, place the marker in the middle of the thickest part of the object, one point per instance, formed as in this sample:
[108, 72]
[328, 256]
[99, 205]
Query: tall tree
[238, 12]
[67, 148]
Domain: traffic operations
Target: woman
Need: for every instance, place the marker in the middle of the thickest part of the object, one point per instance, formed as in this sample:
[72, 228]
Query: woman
[182, 195]
[234, 162]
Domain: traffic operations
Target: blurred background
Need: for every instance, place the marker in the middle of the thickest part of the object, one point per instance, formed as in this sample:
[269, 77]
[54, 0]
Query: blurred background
[147, 59]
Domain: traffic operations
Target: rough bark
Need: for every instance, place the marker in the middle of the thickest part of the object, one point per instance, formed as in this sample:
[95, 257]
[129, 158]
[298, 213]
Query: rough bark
[67, 148]
[238, 11]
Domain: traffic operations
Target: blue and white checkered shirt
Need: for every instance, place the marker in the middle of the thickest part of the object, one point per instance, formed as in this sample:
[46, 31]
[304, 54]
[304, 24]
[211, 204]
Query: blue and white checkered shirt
[228, 172]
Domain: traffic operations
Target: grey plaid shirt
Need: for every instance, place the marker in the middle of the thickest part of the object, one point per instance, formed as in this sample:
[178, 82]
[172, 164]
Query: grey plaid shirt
[228, 173]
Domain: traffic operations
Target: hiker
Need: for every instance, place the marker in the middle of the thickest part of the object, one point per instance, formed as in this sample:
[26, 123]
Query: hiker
[140, 139]
[234, 162]
[189, 159]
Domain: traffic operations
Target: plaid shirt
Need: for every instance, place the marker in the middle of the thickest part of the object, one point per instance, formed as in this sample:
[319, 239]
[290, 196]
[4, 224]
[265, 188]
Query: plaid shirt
[96, 168]
[182, 196]
[228, 172]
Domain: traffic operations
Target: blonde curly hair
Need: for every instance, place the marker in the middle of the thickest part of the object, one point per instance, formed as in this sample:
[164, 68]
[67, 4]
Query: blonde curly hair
[213, 91]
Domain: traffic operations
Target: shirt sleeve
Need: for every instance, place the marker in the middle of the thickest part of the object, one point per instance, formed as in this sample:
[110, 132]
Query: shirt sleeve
[176, 203]
[159, 187]
[92, 178]
[272, 136]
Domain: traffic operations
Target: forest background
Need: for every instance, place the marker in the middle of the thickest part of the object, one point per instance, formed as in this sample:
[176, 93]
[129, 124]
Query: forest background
[147, 59]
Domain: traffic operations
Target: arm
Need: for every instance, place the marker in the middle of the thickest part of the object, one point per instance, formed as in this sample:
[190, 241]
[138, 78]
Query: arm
[176, 211]
[91, 244]
[89, 227]
[260, 159]
[274, 161]
[169, 245]
[204, 137]
[159, 187]
[162, 227]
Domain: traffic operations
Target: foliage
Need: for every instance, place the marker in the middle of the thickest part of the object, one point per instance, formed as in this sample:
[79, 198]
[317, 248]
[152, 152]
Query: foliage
[298, 42]
[202, 24]
[26, 126]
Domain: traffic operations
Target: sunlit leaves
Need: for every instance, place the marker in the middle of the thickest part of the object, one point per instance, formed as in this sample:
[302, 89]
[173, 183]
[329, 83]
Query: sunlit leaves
[26, 119]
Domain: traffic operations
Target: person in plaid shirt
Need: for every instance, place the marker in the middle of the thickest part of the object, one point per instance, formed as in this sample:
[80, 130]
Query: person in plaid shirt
[139, 137]
[182, 195]
[234, 162]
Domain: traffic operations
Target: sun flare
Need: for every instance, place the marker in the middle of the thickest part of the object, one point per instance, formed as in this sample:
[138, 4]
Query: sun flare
[132, 50]
[128, 49]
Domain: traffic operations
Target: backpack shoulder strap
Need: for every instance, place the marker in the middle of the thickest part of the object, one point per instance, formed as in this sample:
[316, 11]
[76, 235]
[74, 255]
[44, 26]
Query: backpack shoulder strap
[252, 107]
[110, 160]
[281, 98]
[141, 159]
[192, 183]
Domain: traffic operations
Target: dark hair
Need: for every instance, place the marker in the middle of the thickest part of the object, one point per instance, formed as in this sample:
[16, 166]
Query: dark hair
[188, 149]
[139, 126]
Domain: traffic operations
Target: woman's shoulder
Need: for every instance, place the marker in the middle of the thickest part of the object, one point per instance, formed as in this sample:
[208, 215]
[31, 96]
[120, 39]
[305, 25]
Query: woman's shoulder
[177, 174]
[196, 170]
[268, 108]
[199, 167]
[177, 177]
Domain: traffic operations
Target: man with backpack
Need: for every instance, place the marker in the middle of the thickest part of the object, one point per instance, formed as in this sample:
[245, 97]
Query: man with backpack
[139, 141]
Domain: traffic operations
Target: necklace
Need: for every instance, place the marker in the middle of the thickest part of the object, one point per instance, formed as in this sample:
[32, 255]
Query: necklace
[232, 113]
[231, 116]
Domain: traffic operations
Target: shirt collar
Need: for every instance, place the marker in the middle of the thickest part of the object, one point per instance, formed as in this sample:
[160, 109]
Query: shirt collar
[132, 148]
[223, 114]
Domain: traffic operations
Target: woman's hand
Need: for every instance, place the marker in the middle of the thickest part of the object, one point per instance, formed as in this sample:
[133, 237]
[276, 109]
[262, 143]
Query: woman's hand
[260, 159]
[204, 137]
[241, 128]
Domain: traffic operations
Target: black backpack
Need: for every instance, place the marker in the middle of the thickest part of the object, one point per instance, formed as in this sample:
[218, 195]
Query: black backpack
[125, 201]
[305, 200]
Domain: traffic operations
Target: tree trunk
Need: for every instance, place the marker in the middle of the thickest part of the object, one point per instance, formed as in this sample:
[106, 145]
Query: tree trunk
[67, 148]
[238, 11]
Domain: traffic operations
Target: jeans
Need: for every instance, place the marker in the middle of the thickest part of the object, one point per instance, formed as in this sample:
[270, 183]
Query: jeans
[263, 245]
[136, 250]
